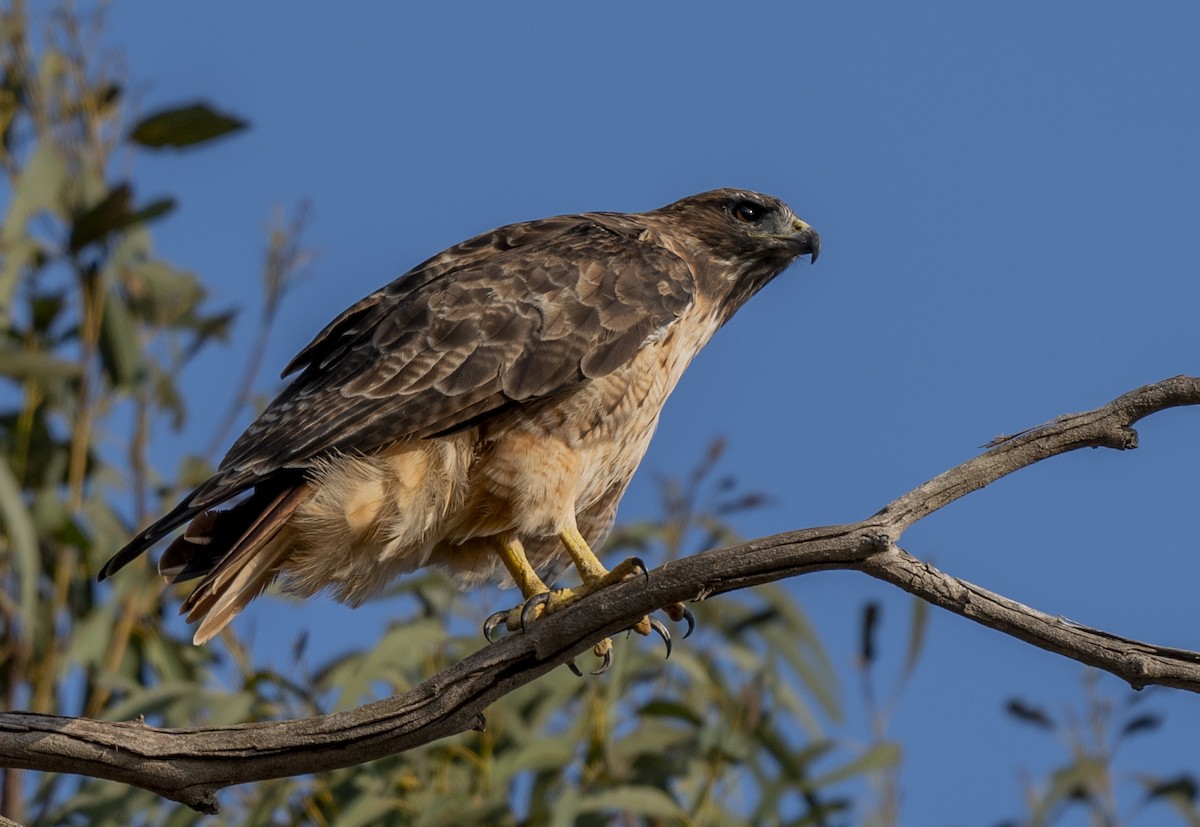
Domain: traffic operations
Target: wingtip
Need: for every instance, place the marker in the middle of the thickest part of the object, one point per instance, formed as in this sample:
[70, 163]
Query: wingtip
[119, 560]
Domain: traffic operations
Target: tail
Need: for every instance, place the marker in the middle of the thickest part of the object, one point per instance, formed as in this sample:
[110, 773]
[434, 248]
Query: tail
[237, 551]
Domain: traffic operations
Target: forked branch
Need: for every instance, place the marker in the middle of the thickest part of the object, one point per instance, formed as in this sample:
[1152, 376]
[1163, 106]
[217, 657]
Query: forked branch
[191, 765]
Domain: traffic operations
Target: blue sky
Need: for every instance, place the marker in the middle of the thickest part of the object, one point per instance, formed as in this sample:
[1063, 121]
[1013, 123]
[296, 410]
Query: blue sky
[1008, 195]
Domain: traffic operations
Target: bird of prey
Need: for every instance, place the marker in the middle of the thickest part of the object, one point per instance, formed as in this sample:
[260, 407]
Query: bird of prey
[484, 412]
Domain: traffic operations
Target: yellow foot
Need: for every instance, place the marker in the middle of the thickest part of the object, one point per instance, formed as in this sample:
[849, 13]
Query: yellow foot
[548, 602]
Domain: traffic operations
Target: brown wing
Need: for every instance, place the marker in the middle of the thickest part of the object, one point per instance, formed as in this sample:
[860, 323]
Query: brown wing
[503, 319]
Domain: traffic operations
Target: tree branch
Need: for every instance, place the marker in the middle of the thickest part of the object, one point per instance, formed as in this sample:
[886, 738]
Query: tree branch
[191, 765]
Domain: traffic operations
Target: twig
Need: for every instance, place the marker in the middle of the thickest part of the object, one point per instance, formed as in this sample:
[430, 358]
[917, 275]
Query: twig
[284, 263]
[191, 765]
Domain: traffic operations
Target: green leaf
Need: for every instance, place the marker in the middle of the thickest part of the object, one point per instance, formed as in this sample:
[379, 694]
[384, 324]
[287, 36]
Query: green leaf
[153, 700]
[38, 188]
[114, 212]
[1029, 714]
[155, 209]
[811, 666]
[671, 709]
[647, 801]
[159, 293]
[32, 365]
[36, 453]
[20, 543]
[878, 758]
[18, 254]
[101, 218]
[120, 349]
[1142, 723]
[394, 658]
[365, 809]
[91, 636]
[184, 126]
[1075, 782]
[916, 638]
[868, 627]
[536, 753]
[1182, 786]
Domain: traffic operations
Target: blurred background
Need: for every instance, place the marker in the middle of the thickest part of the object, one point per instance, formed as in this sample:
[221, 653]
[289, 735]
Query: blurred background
[1008, 197]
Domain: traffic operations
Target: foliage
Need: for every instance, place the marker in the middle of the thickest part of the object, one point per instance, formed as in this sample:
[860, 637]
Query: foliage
[1088, 783]
[95, 328]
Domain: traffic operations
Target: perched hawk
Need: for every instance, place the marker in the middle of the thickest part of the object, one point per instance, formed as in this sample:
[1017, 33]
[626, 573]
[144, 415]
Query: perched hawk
[487, 409]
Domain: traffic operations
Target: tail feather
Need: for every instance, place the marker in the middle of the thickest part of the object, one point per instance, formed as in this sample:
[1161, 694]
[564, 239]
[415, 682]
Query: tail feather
[148, 537]
[214, 608]
[212, 535]
[238, 552]
[212, 492]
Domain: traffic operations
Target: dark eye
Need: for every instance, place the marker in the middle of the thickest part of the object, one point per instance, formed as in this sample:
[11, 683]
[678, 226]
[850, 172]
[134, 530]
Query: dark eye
[748, 211]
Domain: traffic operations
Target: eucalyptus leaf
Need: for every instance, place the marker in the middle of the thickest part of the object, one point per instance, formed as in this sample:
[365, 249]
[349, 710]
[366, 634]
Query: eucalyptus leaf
[113, 213]
[876, 759]
[101, 218]
[646, 801]
[38, 189]
[120, 347]
[27, 365]
[184, 126]
[19, 544]
[161, 294]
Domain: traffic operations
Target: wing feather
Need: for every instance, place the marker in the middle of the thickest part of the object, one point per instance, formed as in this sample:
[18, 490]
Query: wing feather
[501, 320]
[511, 323]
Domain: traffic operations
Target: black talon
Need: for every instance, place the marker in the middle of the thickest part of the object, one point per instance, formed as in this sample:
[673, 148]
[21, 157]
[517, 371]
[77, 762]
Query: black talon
[575, 669]
[663, 632]
[607, 663]
[638, 563]
[531, 604]
[691, 622]
[489, 625]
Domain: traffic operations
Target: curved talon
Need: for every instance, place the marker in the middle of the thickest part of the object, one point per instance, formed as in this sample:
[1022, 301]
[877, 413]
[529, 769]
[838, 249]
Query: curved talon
[691, 622]
[663, 632]
[604, 667]
[639, 567]
[530, 607]
[489, 625]
[575, 669]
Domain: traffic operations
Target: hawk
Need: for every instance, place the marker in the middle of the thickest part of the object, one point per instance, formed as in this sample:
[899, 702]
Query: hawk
[484, 412]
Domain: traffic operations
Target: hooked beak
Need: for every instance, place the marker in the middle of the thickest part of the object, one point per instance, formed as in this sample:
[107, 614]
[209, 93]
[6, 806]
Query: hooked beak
[805, 238]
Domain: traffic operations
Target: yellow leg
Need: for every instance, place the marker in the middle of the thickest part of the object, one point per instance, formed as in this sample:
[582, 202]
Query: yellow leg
[512, 554]
[589, 565]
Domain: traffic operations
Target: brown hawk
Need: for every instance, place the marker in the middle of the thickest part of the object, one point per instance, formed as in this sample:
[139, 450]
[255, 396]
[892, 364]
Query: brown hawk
[488, 407]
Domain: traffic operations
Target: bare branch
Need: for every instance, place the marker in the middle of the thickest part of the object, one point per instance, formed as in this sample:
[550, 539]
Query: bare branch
[191, 765]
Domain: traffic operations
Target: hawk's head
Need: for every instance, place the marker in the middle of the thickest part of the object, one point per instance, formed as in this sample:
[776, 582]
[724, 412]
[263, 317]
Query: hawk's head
[750, 237]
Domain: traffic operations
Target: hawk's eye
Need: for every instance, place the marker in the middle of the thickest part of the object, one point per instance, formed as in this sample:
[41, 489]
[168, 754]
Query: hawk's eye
[748, 211]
